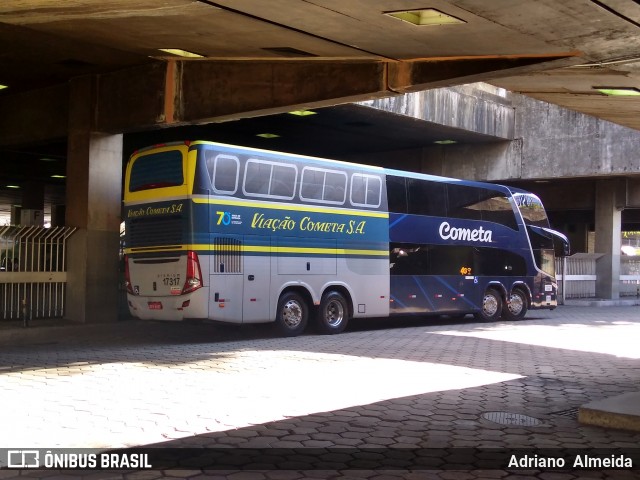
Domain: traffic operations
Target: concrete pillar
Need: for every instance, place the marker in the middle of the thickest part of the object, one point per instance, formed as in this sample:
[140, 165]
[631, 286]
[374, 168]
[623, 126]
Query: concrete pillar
[58, 215]
[16, 211]
[94, 176]
[33, 195]
[32, 210]
[608, 239]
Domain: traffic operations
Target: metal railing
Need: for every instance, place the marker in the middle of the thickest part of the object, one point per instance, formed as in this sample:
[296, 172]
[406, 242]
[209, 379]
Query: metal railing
[578, 279]
[33, 272]
[629, 276]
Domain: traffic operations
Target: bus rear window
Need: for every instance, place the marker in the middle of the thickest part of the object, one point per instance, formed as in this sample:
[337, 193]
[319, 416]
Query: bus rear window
[157, 170]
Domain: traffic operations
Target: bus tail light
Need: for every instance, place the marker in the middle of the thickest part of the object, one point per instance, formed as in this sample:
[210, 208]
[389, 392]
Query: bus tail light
[194, 274]
[127, 276]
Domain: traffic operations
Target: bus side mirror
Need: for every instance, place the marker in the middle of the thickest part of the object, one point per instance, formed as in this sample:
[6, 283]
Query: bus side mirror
[560, 241]
[561, 244]
[565, 249]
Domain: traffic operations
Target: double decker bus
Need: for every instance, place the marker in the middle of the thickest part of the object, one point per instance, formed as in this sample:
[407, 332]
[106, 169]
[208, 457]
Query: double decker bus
[242, 235]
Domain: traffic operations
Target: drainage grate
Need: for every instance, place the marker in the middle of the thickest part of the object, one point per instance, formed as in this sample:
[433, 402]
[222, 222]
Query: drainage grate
[506, 418]
[571, 412]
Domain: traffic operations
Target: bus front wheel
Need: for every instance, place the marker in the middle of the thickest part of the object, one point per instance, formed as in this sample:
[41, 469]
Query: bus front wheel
[333, 314]
[516, 307]
[491, 306]
[292, 314]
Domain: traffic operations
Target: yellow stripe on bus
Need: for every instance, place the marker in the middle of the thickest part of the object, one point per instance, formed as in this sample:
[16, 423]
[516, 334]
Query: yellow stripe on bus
[288, 206]
[261, 249]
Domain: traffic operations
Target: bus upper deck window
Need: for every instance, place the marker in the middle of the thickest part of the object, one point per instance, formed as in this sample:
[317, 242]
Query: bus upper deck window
[224, 173]
[156, 170]
[366, 190]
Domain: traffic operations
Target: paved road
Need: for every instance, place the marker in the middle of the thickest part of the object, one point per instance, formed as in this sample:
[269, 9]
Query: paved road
[429, 400]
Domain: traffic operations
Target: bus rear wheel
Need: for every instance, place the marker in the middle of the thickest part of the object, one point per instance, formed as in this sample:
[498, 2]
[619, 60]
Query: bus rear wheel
[491, 306]
[333, 314]
[292, 314]
[516, 307]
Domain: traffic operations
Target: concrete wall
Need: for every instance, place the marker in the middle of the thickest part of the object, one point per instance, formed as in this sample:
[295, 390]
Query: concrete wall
[479, 108]
[534, 140]
[560, 142]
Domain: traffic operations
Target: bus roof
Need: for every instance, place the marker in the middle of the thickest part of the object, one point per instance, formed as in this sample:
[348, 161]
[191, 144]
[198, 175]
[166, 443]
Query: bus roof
[360, 166]
[458, 181]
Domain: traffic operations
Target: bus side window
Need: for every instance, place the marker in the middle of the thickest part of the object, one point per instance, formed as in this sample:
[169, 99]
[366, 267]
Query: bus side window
[224, 170]
[427, 198]
[409, 259]
[256, 178]
[397, 194]
[497, 208]
[263, 178]
[283, 182]
[449, 259]
[311, 184]
[366, 190]
[335, 187]
[463, 202]
[321, 185]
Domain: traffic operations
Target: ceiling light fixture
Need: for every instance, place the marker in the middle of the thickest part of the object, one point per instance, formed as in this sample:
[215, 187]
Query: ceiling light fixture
[618, 91]
[302, 113]
[13, 186]
[3, 86]
[445, 142]
[267, 135]
[58, 176]
[425, 17]
[181, 53]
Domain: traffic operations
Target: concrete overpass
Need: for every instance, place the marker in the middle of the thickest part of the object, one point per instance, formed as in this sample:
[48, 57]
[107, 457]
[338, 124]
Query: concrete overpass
[84, 82]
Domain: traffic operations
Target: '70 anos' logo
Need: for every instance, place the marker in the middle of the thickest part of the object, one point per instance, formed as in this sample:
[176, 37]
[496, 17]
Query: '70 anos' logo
[227, 218]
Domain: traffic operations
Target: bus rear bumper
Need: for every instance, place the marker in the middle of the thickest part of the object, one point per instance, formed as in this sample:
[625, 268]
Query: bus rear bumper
[171, 308]
[544, 302]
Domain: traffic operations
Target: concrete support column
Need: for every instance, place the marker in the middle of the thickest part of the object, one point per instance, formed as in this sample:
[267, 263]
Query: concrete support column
[94, 176]
[32, 211]
[608, 239]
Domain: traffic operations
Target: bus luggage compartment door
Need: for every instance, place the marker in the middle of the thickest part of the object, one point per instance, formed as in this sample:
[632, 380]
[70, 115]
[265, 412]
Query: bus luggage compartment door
[240, 269]
[257, 279]
[226, 278]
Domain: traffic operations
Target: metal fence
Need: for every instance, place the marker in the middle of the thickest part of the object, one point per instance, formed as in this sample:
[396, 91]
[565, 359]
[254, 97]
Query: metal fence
[33, 272]
[578, 279]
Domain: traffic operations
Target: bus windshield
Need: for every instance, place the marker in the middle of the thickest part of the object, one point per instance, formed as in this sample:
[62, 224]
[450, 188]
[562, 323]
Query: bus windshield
[540, 235]
[532, 209]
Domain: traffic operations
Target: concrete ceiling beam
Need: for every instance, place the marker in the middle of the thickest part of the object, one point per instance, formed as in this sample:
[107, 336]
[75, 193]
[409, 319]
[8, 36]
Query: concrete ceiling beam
[180, 92]
[35, 116]
[424, 74]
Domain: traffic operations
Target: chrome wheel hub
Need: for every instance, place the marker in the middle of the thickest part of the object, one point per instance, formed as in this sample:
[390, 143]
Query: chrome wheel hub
[515, 304]
[334, 314]
[292, 313]
[490, 305]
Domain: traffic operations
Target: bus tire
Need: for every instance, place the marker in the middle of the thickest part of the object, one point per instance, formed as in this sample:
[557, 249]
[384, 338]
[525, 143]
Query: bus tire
[491, 306]
[516, 307]
[333, 314]
[292, 314]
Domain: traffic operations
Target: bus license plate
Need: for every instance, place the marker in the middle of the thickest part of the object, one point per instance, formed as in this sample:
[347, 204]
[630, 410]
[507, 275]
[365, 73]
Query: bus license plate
[155, 305]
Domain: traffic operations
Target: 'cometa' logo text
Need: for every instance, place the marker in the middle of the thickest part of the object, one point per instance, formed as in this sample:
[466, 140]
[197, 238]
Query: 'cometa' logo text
[447, 232]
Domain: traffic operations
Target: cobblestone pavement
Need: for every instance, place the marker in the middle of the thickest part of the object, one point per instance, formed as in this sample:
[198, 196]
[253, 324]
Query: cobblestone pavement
[433, 399]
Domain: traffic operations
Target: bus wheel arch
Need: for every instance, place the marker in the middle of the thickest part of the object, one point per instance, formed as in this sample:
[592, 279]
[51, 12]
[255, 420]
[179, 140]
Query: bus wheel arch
[293, 310]
[334, 311]
[517, 304]
[491, 306]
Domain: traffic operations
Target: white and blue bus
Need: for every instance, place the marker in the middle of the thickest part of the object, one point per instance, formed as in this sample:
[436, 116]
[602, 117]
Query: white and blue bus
[243, 235]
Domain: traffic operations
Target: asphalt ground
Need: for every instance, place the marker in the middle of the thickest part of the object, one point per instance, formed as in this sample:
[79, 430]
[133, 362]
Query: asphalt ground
[389, 398]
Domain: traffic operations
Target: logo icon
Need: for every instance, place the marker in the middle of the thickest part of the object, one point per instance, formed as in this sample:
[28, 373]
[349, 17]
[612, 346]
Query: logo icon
[23, 459]
[224, 218]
